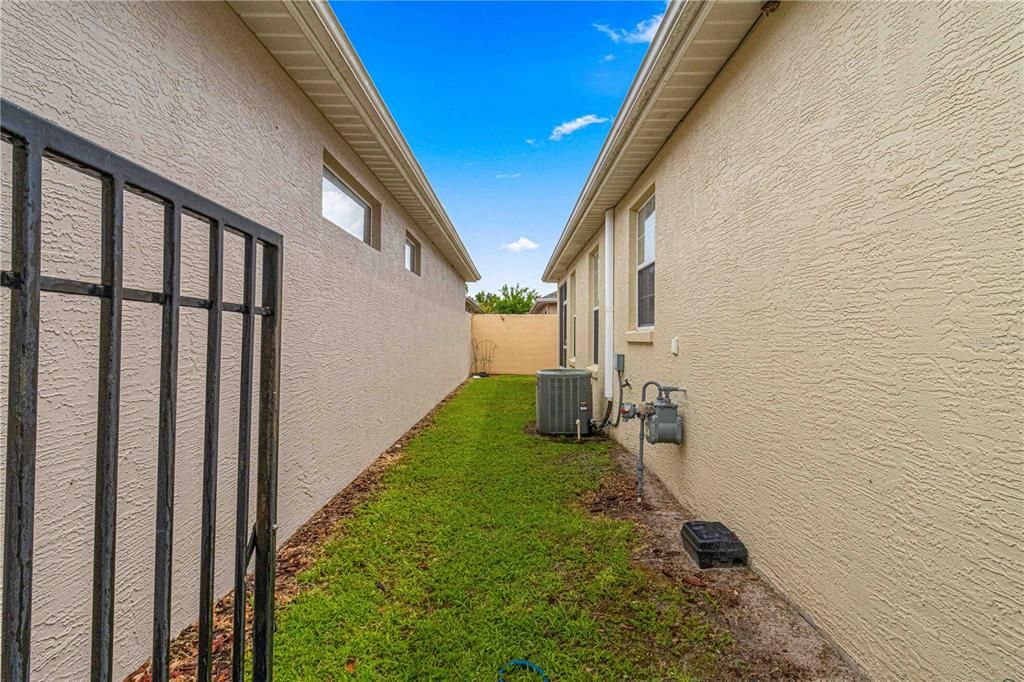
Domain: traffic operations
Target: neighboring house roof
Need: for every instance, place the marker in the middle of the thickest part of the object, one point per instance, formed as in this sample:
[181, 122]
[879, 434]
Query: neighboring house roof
[693, 43]
[545, 300]
[307, 41]
[472, 306]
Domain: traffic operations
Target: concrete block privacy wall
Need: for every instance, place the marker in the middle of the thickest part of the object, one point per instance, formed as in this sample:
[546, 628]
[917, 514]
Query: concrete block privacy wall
[186, 90]
[522, 344]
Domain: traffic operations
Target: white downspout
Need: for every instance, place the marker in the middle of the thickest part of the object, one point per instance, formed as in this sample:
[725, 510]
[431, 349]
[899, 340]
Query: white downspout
[609, 299]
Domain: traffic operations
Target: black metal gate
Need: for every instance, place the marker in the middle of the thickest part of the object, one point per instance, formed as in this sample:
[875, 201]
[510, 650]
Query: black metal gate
[32, 139]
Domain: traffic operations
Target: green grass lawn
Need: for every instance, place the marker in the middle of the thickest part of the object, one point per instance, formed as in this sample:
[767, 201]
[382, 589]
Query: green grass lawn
[476, 552]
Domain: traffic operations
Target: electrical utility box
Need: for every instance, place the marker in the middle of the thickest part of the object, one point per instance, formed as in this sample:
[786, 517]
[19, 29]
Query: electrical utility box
[564, 397]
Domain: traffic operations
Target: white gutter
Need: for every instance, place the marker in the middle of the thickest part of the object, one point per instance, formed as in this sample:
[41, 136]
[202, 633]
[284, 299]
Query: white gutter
[307, 41]
[609, 301]
[652, 68]
[395, 144]
[695, 40]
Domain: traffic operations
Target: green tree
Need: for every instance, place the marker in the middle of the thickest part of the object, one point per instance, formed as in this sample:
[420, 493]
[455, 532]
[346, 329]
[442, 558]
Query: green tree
[511, 300]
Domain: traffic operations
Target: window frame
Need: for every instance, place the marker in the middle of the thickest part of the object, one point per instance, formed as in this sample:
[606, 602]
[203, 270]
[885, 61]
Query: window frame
[573, 304]
[416, 264]
[563, 332]
[329, 175]
[643, 265]
[595, 303]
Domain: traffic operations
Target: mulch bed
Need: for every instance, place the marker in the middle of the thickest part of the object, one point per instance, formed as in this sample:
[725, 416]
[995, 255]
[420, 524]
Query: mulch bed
[772, 639]
[298, 554]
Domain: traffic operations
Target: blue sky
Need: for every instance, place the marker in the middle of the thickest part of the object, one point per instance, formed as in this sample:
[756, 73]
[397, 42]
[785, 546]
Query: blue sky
[479, 90]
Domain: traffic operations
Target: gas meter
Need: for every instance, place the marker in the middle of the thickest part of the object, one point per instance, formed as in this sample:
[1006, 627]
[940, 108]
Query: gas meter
[661, 416]
[664, 425]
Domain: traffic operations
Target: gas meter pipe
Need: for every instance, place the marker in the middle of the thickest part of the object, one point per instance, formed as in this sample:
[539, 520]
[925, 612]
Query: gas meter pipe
[640, 463]
[657, 434]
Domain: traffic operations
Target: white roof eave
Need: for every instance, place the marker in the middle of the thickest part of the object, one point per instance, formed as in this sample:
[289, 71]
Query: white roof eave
[695, 40]
[307, 41]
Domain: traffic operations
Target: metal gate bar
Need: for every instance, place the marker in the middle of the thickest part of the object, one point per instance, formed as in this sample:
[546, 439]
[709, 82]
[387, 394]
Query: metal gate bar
[159, 663]
[19, 498]
[107, 411]
[266, 470]
[244, 447]
[211, 434]
[32, 138]
[58, 285]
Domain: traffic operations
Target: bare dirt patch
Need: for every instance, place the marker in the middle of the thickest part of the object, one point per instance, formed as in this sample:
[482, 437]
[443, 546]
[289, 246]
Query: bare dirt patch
[298, 554]
[773, 641]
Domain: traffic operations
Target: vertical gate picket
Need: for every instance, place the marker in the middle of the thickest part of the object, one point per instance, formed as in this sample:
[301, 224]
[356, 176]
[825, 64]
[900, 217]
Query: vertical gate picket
[108, 410]
[166, 443]
[22, 405]
[244, 448]
[266, 473]
[210, 447]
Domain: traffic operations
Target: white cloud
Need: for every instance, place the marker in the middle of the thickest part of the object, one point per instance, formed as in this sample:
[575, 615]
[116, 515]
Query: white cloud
[643, 32]
[532, 142]
[503, 176]
[570, 127]
[521, 244]
[608, 58]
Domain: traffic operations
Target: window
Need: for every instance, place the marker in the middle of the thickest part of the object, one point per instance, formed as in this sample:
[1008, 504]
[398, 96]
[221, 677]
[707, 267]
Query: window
[343, 208]
[595, 265]
[645, 265]
[412, 254]
[574, 339]
[563, 310]
[572, 303]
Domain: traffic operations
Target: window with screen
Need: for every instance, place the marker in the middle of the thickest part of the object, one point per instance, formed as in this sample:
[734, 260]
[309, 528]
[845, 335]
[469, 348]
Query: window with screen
[595, 264]
[645, 265]
[563, 312]
[573, 303]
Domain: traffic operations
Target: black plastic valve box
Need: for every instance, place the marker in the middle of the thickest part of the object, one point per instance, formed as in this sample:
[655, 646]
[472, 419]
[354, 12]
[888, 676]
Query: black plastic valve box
[712, 545]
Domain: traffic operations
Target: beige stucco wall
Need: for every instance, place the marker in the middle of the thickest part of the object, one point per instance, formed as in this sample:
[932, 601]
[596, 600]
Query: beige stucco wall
[186, 90]
[840, 252]
[523, 344]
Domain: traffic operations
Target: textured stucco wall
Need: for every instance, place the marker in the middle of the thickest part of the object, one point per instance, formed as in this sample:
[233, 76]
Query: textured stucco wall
[186, 90]
[523, 344]
[840, 251]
